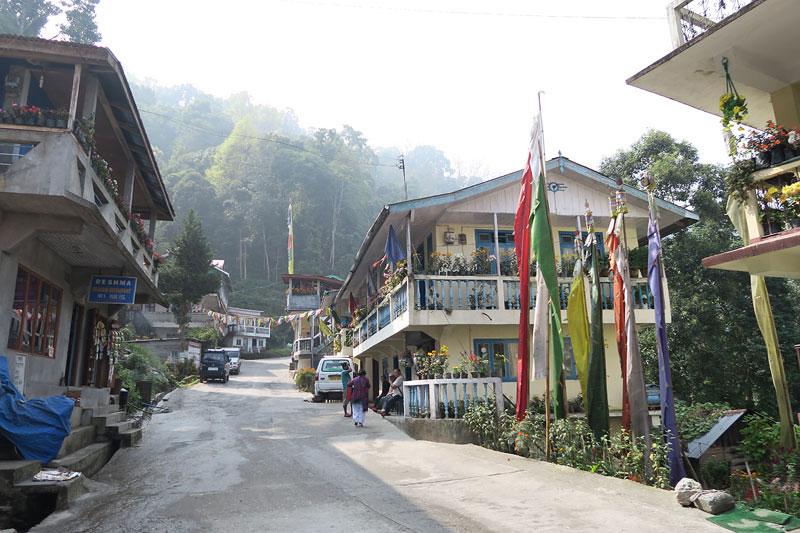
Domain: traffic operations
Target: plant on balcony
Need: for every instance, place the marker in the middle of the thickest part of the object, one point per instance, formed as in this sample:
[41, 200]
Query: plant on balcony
[62, 115]
[791, 195]
[479, 365]
[304, 290]
[84, 131]
[566, 264]
[482, 261]
[508, 263]
[433, 363]
[740, 179]
[732, 105]
[49, 118]
[637, 261]
[158, 260]
[770, 212]
[137, 224]
[417, 264]
[461, 266]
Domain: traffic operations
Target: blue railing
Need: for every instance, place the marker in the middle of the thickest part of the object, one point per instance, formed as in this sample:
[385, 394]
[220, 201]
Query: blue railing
[456, 293]
[400, 301]
[642, 298]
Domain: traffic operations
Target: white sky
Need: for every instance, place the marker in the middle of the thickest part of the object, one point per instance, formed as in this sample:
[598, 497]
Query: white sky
[458, 74]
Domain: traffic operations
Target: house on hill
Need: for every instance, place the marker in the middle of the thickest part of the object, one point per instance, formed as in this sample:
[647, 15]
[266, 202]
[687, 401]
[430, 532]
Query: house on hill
[80, 197]
[461, 290]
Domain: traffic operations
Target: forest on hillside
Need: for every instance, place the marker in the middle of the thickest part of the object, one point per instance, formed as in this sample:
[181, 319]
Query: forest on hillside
[239, 165]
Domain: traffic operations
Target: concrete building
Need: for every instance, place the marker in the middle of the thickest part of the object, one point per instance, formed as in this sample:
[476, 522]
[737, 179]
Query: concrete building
[80, 196]
[250, 333]
[436, 305]
[750, 36]
[308, 293]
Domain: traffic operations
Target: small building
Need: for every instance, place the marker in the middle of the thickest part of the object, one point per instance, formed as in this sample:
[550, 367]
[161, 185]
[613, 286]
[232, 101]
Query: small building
[720, 443]
[248, 331]
[306, 293]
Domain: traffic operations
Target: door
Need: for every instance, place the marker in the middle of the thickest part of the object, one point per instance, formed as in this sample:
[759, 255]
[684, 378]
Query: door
[485, 239]
[376, 379]
[71, 369]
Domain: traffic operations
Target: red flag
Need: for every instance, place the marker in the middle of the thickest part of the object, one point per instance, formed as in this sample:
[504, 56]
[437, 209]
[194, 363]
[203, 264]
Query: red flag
[612, 241]
[352, 305]
[522, 241]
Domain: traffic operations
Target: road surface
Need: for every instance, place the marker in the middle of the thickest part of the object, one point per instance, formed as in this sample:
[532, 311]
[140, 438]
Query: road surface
[255, 455]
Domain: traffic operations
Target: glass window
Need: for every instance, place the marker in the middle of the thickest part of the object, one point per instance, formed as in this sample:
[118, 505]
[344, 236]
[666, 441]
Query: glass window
[34, 317]
[502, 355]
[333, 365]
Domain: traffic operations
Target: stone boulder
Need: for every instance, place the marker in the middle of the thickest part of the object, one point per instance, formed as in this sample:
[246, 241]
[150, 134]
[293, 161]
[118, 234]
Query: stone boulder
[714, 501]
[685, 489]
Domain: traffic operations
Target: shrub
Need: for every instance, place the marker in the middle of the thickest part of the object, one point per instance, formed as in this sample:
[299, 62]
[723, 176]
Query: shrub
[696, 420]
[490, 428]
[716, 474]
[304, 380]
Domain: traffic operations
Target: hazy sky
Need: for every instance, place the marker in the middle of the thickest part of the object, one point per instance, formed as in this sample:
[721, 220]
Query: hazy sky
[462, 75]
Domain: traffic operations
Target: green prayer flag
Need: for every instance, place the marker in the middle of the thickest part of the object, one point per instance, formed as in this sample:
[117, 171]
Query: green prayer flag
[542, 248]
[578, 321]
[596, 393]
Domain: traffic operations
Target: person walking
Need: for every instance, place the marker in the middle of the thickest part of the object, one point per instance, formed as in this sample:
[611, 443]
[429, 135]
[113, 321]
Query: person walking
[359, 397]
[395, 393]
[346, 391]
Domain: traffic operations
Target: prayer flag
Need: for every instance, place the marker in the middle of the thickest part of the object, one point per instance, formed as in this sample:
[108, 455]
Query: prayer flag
[542, 246]
[578, 317]
[394, 251]
[596, 391]
[522, 241]
[290, 249]
[668, 419]
[614, 251]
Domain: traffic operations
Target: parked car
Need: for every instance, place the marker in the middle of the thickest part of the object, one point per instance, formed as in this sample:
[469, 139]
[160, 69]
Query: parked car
[236, 361]
[214, 364]
[328, 379]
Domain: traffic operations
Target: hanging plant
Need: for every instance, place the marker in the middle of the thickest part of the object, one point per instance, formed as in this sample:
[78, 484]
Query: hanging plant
[732, 105]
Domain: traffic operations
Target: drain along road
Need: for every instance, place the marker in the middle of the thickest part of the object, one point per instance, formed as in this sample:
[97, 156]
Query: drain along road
[251, 455]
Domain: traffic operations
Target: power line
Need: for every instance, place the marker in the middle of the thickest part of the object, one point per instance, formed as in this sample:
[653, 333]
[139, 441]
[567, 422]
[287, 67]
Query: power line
[471, 13]
[265, 139]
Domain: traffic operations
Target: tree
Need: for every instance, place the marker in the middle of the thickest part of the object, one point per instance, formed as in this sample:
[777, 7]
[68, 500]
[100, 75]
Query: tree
[188, 276]
[28, 17]
[716, 350]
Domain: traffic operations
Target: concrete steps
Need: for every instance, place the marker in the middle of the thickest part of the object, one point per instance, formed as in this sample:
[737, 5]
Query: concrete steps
[130, 437]
[78, 438]
[88, 460]
[14, 472]
[65, 492]
[103, 421]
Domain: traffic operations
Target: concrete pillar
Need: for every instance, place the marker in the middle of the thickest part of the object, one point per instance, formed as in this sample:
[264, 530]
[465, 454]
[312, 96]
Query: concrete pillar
[153, 219]
[73, 99]
[501, 300]
[786, 105]
[90, 90]
[127, 191]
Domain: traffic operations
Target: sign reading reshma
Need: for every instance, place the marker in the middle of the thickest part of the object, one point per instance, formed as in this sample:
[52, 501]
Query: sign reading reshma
[112, 290]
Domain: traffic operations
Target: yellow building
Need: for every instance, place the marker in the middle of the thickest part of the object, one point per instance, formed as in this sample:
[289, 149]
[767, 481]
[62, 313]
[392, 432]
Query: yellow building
[750, 37]
[440, 303]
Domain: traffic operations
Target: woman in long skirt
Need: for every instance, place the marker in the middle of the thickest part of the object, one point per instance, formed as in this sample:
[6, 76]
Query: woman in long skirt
[359, 397]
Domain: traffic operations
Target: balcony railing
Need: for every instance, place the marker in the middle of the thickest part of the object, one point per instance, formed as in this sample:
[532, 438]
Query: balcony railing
[249, 330]
[479, 293]
[449, 398]
[303, 345]
[20, 141]
[691, 18]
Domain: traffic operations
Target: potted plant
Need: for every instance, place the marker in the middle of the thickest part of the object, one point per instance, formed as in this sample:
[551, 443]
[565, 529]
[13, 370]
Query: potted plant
[605, 268]
[733, 108]
[637, 261]
[791, 195]
[770, 215]
[50, 118]
[778, 141]
[739, 179]
[62, 115]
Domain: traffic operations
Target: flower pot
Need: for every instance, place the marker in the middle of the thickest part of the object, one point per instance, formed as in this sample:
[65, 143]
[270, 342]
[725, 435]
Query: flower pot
[475, 374]
[464, 375]
[41, 121]
[604, 272]
[18, 120]
[438, 376]
[762, 160]
[61, 123]
[50, 123]
[777, 155]
[771, 227]
[448, 375]
[29, 121]
[795, 222]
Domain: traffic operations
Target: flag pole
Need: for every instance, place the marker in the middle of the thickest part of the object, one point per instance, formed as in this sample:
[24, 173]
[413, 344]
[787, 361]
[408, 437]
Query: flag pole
[543, 163]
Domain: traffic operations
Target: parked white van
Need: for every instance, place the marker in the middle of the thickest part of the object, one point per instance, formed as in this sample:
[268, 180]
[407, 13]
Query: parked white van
[328, 379]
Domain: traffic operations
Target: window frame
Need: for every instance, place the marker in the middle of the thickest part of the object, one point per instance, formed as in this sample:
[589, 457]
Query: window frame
[45, 333]
[508, 364]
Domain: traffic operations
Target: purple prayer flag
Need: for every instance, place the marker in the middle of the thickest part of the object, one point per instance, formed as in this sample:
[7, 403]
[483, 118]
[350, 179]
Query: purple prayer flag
[668, 419]
[394, 250]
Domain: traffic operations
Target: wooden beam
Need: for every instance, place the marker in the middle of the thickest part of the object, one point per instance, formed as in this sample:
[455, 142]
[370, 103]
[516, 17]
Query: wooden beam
[73, 99]
[101, 96]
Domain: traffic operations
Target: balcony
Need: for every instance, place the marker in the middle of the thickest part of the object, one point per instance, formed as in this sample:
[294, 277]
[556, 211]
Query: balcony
[752, 35]
[447, 300]
[250, 331]
[48, 176]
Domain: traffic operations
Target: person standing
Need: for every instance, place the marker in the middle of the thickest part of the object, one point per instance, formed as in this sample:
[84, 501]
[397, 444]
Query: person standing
[395, 392]
[345, 390]
[360, 397]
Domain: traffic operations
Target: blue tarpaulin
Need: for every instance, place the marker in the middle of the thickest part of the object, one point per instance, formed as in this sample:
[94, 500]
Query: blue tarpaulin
[36, 427]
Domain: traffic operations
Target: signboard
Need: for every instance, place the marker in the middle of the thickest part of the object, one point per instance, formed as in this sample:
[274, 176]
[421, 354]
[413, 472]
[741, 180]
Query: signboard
[194, 353]
[112, 290]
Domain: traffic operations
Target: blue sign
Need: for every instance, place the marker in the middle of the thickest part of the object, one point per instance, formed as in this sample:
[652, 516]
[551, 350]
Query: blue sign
[112, 290]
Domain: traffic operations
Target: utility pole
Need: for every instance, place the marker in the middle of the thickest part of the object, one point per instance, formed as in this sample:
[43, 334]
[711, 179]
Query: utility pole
[401, 164]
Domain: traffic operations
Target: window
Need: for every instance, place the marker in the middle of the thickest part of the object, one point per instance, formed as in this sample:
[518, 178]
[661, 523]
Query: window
[35, 313]
[333, 365]
[508, 348]
[238, 342]
[149, 308]
[569, 360]
[566, 240]
[485, 239]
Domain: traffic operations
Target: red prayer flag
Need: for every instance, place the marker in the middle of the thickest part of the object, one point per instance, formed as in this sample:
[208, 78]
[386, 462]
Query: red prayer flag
[612, 240]
[522, 241]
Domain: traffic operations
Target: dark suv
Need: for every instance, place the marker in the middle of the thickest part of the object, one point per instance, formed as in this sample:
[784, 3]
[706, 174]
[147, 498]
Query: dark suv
[215, 364]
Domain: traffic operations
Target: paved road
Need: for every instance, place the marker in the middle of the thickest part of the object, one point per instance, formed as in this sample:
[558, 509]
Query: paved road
[252, 455]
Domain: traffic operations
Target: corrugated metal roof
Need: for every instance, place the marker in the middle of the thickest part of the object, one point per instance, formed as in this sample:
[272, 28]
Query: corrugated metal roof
[699, 445]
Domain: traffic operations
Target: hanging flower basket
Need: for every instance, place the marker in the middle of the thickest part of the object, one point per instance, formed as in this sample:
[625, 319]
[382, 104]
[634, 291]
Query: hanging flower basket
[732, 105]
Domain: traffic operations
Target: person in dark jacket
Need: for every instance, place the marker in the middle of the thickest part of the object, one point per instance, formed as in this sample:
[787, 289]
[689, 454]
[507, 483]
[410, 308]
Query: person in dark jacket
[385, 387]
